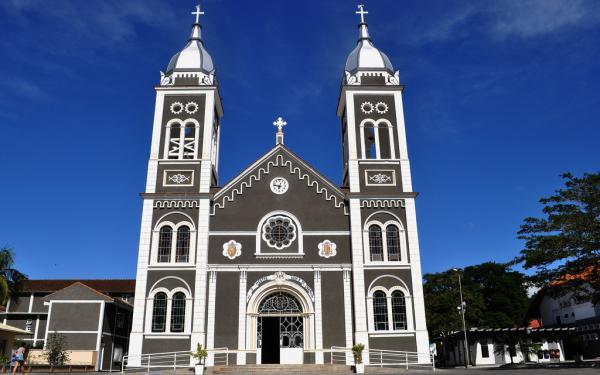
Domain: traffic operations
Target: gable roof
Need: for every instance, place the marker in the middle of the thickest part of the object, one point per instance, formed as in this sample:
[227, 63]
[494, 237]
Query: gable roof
[283, 157]
[103, 286]
[77, 291]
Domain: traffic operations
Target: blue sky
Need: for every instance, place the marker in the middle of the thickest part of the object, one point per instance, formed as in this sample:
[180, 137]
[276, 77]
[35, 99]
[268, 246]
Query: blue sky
[501, 98]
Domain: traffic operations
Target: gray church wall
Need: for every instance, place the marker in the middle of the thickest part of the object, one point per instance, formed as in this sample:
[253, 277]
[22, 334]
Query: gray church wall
[170, 279]
[174, 215]
[389, 115]
[42, 329]
[226, 307]
[332, 302]
[172, 344]
[385, 214]
[371, 174]
[168, 115]
[387, 282]
[310, 246]
[78, 316]
[408, 344]
[165, 183]
[312, 210]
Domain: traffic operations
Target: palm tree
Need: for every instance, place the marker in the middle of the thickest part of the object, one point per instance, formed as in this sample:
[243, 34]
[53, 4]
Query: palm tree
[11, 280]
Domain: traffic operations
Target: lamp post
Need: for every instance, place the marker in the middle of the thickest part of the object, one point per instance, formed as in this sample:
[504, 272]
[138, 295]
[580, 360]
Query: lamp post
[462, 312]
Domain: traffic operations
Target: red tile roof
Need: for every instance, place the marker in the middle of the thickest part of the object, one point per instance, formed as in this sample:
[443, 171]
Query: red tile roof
[103, 286]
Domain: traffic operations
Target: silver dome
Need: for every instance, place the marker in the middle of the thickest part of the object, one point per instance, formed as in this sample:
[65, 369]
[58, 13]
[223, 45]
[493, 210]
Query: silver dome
[366, 56]
[193, 57]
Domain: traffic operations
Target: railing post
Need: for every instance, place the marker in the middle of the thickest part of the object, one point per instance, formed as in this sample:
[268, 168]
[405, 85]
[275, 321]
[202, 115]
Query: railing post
[380, 359]
[175, 362]
[406, 358]
[148, 365]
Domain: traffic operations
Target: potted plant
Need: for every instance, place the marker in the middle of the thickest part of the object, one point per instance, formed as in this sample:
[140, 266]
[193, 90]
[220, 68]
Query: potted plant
[357, 351]
[200, 354]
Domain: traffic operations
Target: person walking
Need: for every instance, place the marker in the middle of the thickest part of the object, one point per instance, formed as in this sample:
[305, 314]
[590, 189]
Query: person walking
[20, 359]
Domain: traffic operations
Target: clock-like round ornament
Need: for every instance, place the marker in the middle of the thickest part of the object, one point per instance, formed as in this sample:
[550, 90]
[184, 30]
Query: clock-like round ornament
[279, 185]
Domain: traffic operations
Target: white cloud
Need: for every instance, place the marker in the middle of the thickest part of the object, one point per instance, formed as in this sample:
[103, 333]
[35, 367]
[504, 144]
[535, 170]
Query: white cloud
[531, 18]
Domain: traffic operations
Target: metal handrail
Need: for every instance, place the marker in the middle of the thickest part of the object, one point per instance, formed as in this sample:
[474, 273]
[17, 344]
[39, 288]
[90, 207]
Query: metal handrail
[383, 357]
[182, 359]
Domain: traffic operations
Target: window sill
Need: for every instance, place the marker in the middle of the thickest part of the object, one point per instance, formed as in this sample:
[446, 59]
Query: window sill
[163, 335]
[171, 265]
[392, 333]
[388, 264]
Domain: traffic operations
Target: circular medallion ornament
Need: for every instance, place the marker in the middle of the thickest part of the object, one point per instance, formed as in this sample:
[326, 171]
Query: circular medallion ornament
[381, 108]
[367, 107]
[191, 107]
[176, 108]
[327, 249]
[279, 185]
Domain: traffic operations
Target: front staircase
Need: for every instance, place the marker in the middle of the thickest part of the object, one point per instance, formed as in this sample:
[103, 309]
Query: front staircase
[307, 369]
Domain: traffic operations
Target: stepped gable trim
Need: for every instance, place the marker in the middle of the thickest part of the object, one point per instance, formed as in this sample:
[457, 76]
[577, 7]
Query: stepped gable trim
[237, 185]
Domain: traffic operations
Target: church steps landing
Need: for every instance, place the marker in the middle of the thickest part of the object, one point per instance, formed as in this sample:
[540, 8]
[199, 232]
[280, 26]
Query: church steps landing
[282, 369]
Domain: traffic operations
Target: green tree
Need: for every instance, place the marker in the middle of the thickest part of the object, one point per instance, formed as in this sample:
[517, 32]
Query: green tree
[564, 246]
[11, 280]
[495, 296]
[56, 350]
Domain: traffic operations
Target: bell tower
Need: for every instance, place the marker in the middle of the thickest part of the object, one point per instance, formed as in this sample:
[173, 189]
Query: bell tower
[376, 170]
[182, 168]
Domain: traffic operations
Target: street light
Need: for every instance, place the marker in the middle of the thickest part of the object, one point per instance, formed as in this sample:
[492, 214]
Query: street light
[462, 311]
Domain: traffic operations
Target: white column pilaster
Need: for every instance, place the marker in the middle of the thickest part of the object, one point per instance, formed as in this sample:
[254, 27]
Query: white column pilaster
[210, 319]
[139, 305]
[358, 277]
[241, 356]
[199, 319]
[319, 359]
[348, 313]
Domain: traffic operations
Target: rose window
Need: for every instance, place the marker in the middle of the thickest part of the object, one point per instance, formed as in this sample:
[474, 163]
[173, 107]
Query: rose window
[279, 232]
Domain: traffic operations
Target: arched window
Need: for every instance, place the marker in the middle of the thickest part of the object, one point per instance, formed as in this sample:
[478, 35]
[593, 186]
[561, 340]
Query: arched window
[399, 310]
[370, 142]
[178, 312]
[393, 243]
[375, 243]
[159, 312]
[189, 141]
[174, 145]
[380, 311]
[182, 253]
[164, 244]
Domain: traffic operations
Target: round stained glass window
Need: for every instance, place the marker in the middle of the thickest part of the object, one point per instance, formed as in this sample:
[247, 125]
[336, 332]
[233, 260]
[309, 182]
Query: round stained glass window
[279, 232]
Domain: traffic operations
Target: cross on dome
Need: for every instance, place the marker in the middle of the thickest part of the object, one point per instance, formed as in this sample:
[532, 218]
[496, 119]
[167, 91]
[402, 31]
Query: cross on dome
[361, 12]
[197, 13]
[280, 123]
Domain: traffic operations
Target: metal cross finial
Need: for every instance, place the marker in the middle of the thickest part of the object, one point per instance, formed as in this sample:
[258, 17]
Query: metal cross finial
[280, 123]
[197, 13]
[362, 12]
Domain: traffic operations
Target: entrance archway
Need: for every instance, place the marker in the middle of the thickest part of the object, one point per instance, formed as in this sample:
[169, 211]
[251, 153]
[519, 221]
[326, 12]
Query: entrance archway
[280, 323]
[280, 329]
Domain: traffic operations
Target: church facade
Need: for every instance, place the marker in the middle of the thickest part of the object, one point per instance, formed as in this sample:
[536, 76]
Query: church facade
[279, 264]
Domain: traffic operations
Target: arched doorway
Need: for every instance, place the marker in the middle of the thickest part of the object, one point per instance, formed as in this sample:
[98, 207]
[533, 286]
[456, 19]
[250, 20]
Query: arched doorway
[280, 319]
[280, 329]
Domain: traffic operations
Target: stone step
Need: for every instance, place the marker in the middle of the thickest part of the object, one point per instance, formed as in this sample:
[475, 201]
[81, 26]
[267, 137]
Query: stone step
[282, 369]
